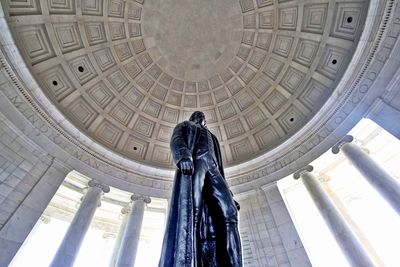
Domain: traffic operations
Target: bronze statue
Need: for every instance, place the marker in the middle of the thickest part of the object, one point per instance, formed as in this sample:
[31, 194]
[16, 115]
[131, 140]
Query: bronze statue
[202, 227]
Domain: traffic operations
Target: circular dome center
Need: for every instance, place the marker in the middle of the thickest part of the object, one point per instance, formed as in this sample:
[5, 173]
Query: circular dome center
[192, 39]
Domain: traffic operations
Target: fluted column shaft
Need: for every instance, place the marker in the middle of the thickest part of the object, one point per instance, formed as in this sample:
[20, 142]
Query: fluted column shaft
[381, 180]
[69, 248]
[348, 243]
[130, 240]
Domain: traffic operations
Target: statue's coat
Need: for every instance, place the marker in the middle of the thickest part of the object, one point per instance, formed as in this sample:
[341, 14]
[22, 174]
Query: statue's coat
[177, 245]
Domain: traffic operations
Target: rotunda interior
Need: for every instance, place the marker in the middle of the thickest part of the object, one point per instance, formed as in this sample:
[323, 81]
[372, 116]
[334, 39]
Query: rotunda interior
[303, 96]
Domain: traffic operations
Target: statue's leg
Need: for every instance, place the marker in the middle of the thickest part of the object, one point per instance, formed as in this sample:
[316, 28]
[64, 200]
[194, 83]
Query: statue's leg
[223, 196]
[198, 182]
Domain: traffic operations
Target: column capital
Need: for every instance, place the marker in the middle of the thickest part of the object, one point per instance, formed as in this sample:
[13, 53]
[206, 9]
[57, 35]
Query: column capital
[344, 140]
[45, 219]
[145, 199]
[103, 187]
[303, 170]
[109, 235]
[126, 209]
[323, 178]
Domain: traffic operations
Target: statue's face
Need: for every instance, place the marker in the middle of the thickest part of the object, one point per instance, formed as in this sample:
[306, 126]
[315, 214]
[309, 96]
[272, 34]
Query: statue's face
[198, 118]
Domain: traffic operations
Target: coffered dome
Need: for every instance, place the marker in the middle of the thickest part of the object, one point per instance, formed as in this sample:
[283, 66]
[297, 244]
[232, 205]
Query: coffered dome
[126, 72]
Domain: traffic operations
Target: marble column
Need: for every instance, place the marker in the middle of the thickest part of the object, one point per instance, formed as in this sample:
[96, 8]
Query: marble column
[347, 241]
[125, 211]
[381, 180]
[341, 206]
[130, 240]
[69, 248]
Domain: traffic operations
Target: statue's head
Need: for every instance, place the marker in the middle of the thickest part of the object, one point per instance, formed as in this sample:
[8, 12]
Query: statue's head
[198, 117]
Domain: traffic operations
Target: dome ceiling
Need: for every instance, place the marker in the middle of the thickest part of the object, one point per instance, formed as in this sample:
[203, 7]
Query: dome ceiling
[126, 72]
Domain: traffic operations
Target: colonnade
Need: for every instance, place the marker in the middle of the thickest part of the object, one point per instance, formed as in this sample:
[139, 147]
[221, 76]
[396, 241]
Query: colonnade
[376, 176]
[124, 254]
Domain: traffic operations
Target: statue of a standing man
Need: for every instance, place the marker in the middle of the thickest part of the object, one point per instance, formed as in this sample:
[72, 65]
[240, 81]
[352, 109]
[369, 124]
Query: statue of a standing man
[202, 227]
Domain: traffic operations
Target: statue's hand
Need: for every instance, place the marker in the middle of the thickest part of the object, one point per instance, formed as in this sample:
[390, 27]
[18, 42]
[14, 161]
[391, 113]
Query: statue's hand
[186, 166]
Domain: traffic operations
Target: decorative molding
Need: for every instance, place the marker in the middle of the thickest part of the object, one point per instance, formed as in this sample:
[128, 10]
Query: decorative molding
[303, 170]
[94, 183]
[145, 199]
[338, 145]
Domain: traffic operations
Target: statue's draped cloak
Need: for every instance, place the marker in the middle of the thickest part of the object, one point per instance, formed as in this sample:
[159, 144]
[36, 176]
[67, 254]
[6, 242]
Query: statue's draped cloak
[177, 249]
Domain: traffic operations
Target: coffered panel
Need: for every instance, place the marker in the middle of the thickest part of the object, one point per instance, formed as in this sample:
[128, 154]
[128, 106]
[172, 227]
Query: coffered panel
[126, 72]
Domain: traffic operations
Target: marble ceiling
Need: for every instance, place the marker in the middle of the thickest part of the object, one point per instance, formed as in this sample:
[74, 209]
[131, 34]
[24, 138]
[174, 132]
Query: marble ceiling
[126, 72]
